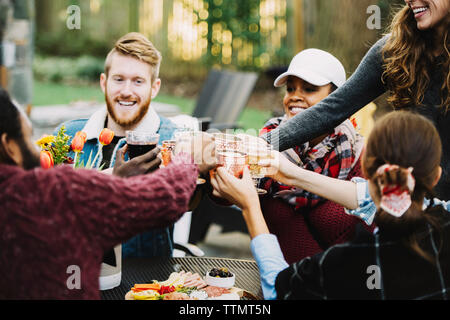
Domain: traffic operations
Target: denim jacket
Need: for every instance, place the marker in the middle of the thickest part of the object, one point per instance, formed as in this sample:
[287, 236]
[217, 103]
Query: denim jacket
[157, 242]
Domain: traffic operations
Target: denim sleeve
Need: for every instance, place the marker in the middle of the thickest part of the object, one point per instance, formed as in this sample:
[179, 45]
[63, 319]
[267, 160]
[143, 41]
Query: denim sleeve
[366, 207]
[437, 202]
[267, 253]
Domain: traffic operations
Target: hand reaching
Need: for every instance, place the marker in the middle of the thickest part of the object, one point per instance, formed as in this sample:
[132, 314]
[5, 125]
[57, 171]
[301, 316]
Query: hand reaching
[280, 168]
[201, 148]
[241, 192]
[143, 164]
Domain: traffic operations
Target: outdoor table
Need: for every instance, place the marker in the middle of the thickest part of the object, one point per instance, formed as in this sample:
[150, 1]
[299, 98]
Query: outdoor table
[143, 270]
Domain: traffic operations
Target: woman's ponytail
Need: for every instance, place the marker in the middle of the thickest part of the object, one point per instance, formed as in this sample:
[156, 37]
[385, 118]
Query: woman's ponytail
[402, 161]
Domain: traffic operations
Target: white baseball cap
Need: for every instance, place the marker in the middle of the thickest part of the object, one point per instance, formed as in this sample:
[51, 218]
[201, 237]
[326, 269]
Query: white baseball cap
[315, 66]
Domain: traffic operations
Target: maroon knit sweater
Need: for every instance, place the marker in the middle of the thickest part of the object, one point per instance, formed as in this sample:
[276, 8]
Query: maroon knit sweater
[53, 219]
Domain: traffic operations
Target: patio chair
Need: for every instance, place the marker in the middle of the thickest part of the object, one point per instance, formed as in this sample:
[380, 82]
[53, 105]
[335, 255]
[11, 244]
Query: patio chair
[223, 98]
[220, 103]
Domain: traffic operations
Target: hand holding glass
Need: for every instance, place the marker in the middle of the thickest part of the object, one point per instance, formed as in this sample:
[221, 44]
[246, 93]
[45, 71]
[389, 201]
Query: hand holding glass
[167, 151]
[189, 138]
[229, 153]
[140, 143]
[258, 152]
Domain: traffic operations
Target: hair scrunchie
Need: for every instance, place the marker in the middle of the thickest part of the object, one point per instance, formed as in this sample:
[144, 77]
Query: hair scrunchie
[395, 199]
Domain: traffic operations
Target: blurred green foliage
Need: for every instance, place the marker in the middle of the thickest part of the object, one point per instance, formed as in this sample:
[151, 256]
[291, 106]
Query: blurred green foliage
[70, 43]
[70, 70]
[242, 18]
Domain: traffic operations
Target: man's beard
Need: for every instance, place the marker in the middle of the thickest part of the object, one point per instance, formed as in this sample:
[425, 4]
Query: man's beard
[143, 109]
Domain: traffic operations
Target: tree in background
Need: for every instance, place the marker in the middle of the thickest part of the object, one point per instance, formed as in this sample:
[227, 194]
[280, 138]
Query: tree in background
[248, 34]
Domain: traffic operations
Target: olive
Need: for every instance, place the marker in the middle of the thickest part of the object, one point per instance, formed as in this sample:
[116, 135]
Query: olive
[214, 272]
[222, 272]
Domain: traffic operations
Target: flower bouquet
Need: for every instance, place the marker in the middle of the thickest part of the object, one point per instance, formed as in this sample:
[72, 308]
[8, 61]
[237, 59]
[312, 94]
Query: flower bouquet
[55, 150]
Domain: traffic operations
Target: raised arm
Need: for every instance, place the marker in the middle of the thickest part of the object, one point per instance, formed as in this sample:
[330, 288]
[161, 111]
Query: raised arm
[109, 210]
[301, 280]
[361, 88]
[242, 193]
[336, 190]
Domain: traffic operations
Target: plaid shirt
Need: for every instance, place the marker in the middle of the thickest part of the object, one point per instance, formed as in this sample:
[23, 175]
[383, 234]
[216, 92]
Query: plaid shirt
[373, 266]
[334, 156]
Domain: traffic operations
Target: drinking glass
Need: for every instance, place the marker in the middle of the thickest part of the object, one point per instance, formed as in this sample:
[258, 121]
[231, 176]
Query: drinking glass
[257, 151]
[167, 151]
[229, 153]
[233, 161]
[188, 135]
[227, 142]
[140, 142]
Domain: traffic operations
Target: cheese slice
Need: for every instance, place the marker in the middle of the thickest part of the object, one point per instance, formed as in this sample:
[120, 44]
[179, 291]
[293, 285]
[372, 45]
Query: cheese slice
[238, 291]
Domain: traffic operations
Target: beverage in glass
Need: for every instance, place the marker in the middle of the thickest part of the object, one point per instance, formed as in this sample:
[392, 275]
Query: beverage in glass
[140, 143]
[167, 151]
[233, 161]
[188, 136]
[257, 151]
[227, 142]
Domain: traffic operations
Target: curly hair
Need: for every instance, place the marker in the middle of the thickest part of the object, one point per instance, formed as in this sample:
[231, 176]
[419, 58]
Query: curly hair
[408, 60]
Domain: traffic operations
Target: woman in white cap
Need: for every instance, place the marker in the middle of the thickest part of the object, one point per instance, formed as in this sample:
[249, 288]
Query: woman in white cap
[407, 257]
[411, 63]
[305, 223]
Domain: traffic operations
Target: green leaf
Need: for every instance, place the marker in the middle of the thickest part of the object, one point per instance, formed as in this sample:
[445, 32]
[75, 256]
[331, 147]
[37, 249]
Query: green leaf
[60, 147]
[89, 163]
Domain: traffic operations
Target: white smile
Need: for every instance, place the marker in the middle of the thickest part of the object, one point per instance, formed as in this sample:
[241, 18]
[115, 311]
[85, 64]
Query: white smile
[420, 10]
[295, 110]
[127, 103]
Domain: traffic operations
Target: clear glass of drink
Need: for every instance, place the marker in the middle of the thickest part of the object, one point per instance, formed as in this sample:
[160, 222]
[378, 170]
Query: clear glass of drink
[227, 142]
[229, 153]
[167, 151]
[188, 136]
[257, 151]
[233, 161]
[140, 142]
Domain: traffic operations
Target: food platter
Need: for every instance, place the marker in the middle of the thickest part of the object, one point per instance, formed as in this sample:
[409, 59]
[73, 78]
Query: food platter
[147, 270]
[189, 286]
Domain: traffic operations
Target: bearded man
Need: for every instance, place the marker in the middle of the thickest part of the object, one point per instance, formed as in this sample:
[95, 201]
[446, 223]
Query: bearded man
[130, 82]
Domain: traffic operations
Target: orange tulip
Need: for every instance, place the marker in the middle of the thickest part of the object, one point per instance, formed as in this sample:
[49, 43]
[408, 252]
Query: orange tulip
[82, 134]
[106, 136]
[77, 143]
[46, 159]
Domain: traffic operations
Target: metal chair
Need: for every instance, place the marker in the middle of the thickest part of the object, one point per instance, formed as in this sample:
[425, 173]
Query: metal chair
[219, 105]
[223, 98]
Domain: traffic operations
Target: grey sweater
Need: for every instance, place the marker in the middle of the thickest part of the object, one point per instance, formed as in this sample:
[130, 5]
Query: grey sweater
[364, 86]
